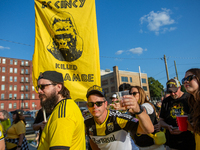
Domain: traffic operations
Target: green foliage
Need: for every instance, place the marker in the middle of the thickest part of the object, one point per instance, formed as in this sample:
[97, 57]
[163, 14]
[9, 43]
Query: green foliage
[155, 87]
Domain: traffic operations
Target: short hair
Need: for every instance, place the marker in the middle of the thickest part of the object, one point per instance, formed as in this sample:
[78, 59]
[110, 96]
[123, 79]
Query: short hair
[5, 114]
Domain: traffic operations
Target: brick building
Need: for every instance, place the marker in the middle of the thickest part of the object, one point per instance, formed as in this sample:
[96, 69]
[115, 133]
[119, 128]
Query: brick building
[111, 80]
[16, 87]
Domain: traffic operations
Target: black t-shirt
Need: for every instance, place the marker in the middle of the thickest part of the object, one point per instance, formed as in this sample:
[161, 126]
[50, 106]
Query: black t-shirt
[39, 118]
[169, 110]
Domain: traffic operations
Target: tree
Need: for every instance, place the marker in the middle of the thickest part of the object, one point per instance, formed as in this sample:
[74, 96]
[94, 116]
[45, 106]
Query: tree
[155, 87]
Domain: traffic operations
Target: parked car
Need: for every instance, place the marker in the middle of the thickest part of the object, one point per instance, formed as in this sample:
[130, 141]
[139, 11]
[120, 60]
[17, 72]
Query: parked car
[29, 124]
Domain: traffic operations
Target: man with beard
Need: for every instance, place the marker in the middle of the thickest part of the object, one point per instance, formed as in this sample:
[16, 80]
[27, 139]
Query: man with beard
[175, 105]
[65, 126]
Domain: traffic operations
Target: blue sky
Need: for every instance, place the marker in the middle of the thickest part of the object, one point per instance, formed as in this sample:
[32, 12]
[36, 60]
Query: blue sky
[131, 33]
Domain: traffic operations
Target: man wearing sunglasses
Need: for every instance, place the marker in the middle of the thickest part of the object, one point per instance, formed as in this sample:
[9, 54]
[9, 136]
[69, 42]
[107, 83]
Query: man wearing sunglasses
[175, 105]
[64, 129]
[109, 129]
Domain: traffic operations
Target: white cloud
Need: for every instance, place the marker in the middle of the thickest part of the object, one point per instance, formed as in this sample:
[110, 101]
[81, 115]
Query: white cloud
[119, 52]
[157, 21]
[137, 50]
[1, 47]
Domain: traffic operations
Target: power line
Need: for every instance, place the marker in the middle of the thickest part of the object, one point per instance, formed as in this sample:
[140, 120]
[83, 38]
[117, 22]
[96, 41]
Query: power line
[16, 42]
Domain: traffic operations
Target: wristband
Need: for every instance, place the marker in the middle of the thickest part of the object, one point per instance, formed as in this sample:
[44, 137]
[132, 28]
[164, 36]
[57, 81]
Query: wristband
[141, 110]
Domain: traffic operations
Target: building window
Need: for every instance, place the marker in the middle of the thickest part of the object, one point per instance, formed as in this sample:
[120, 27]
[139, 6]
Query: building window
[15, 62]
[22, 96]
[3, 69]
[104, 82]
[0, 60]
[26, 71]
[15, 87]
[2, 105]
[15, 96]
[10, 96]
[3, 61]
[144, 80]
[3, 78]
[2, 87]
[33, 96]
[2, 96]
[22, 71]
[145, 88]
[124, 79]
[131, 79]
[26, 63]
[10, 106]
[22, 105]
[15, 105]
[11, 70]
[22, 63]
[112, 80]
[112, 89]
[26, 96]
[11, 61]
[15, 79]
[11, 79]
[15, 70]
[26, 105]
[22, 88]
[26, 79]
[33, 105]
[26, 87]
[10, 87]
[33, 89]
[22, 79]
[106, 90]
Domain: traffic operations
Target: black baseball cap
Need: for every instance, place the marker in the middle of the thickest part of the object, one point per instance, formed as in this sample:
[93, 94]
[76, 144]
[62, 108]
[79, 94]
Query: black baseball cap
[52, 76]
[18, 111]
[95, 89]
[172, 85]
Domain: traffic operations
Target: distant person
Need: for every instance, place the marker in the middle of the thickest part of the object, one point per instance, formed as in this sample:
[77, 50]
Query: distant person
[5, 120]
[109, 129]
[124, 87]
[15, 135]
[144, 141]
[2, 142]
[64, 129]
[191, 83]
[175, 105]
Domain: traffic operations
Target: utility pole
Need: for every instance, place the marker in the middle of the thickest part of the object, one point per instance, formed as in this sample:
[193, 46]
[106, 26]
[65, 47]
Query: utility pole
[166, 67]
[176, 70]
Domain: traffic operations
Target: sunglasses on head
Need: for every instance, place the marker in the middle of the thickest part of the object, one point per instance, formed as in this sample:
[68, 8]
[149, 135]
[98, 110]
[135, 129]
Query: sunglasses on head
[98, 104]
[134, 93]
[188, 78]
[42, 86]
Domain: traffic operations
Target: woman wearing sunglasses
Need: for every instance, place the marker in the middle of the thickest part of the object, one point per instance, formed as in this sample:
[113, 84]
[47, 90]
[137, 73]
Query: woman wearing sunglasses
[192, 85]
[144, 141]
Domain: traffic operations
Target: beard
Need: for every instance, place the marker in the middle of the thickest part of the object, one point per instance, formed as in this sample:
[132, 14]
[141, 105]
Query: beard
[50, 101]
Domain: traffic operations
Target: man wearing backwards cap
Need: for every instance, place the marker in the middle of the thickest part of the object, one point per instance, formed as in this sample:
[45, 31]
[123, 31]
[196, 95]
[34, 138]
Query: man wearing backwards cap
[175, 105]
[109, 129]
[65, 127]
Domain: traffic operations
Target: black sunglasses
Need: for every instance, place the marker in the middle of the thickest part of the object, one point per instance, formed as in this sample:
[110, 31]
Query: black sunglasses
[98, 104]
[188, 78]
[42, 86]
[134, 93]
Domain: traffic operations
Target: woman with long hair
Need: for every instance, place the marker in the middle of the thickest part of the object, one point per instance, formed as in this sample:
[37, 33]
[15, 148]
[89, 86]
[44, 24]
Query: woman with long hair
[15, 136]
[191, 83]
[144, 141]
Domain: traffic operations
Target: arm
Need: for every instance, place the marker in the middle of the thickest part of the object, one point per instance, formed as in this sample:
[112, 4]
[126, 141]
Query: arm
[21, 137]
[93, 145]
[145, 124]
[37, 126]
[2, 144]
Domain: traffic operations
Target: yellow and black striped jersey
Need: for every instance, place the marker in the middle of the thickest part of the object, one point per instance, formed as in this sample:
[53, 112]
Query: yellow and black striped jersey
[113, 133]
[64, 128]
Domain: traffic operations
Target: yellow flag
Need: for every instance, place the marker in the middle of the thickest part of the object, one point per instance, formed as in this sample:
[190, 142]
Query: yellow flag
[66, 41]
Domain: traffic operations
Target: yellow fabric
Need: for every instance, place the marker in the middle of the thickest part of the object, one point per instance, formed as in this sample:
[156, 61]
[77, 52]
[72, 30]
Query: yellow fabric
[6, 124]
[65, 127]
[197, 140]
[66, 41]
[1, 132]
[13, 132]
[159, 137]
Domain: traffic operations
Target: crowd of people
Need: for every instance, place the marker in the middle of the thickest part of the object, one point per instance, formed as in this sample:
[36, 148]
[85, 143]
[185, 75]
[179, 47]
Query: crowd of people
[130, 123]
